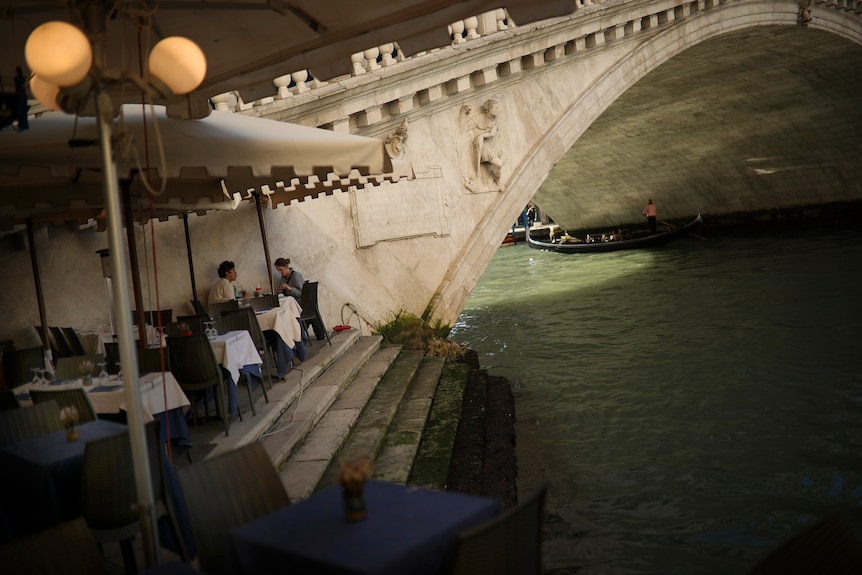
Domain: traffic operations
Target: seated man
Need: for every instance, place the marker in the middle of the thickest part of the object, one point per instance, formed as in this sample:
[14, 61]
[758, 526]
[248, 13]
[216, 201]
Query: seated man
[289, 281]
[225, 288]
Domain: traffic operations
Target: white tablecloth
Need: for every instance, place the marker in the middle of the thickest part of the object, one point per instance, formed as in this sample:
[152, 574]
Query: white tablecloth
[111, 397]
[282, 320]
[235, 349]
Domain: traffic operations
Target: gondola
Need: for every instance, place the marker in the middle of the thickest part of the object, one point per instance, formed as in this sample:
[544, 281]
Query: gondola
[653, 240]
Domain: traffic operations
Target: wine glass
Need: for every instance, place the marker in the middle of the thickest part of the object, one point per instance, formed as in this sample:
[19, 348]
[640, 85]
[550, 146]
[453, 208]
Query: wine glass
[103, 374]
[210, 331]
[37, 379]
[119, 371]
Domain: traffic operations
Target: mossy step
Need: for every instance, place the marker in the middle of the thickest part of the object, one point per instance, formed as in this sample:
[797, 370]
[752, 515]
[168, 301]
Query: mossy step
[431, 465]
[401, 443]
[367, 435]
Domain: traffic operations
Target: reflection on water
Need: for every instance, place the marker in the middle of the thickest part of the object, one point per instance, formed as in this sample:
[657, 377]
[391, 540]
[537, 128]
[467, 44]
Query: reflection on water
[691, 406]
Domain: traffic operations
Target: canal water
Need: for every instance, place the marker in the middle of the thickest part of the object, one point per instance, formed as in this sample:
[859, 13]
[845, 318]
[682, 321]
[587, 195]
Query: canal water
[690, 406]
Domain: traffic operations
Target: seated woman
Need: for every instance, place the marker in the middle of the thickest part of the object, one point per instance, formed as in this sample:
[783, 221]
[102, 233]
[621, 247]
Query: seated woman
[289, 281]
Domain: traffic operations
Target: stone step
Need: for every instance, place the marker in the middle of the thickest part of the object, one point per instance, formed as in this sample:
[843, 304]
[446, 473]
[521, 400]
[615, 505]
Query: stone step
[366, 437]
[282, 396]
[356, 382]
[312, 402]
[398, 452]
[434, 454]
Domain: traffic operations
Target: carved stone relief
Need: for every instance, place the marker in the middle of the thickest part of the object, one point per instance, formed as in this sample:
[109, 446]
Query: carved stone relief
[396, 142]
[485, 156]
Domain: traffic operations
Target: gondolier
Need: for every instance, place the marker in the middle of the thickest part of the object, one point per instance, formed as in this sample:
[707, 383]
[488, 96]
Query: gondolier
[650, 211]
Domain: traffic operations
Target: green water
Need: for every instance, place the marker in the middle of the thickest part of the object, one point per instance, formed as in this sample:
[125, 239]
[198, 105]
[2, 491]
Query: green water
[691, 406]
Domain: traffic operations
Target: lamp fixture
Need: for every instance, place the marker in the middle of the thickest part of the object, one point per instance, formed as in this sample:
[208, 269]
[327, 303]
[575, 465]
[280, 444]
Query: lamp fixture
[66, 72]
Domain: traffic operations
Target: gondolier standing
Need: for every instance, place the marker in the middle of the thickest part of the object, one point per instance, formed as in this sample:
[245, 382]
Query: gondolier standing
[650, 212]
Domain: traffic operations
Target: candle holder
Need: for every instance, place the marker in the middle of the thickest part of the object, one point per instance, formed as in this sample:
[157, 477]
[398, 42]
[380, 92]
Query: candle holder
[353, 476]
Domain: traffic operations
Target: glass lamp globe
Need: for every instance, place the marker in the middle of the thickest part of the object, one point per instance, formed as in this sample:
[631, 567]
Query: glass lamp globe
[59, 53]
[44, 92]
[179, 63]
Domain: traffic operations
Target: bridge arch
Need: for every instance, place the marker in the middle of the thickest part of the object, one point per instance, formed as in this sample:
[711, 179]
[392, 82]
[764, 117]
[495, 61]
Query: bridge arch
[622, 65]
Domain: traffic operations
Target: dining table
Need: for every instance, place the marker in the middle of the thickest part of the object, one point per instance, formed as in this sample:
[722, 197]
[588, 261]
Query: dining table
[407, 530]
[162, 398]
[283, 331]
[41, 477]
[236, 353]
[41, 483]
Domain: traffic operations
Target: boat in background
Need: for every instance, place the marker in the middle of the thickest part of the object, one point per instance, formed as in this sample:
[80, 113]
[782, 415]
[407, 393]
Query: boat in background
[649, 241]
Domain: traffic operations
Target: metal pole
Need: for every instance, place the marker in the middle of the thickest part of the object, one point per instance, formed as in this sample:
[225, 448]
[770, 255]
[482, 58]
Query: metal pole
[125, 334]
[197, 304]
[263, 237]
[40, 296]
[143, 342]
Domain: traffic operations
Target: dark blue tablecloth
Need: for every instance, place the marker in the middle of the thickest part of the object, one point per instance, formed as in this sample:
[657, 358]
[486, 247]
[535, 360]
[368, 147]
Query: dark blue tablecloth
[41, 477]
[407, 530]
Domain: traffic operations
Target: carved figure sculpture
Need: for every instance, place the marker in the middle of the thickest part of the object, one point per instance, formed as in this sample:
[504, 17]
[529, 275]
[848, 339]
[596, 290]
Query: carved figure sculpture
[805, 15]
[483, 130]
[395, 142]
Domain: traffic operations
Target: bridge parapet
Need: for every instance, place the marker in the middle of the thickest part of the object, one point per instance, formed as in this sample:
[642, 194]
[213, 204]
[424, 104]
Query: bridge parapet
[385, 85]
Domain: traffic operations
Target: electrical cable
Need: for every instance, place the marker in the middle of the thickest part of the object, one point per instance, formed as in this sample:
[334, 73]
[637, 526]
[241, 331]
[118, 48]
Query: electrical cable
[296, 404]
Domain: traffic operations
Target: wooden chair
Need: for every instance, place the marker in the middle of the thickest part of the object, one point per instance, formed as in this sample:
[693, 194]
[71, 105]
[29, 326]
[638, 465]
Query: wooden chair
[75, 397]
[196, 370]
[29, 422]
[225, 492]
[66, 549]
[67, 367]
[243, 319]
[310, 314]
[509, 544]
[827, 546]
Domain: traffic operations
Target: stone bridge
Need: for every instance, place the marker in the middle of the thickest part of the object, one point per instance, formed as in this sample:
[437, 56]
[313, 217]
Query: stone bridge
[713, 107]
[705, 106]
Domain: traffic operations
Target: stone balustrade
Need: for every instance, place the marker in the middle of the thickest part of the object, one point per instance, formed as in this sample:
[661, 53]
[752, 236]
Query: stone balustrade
[348, 105]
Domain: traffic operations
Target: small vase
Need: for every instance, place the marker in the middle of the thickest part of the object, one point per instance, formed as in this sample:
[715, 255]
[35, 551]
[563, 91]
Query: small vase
[72, 433]
[87, 380]
[354, 506]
